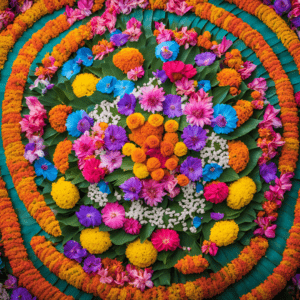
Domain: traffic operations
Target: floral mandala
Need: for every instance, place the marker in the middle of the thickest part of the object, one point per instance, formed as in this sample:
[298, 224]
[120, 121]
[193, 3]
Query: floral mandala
[155, 152]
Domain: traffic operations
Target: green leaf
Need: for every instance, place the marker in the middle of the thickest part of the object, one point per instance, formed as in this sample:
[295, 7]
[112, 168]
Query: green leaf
[163, 256]
[68, 233]
[243, 130]
[72, 173]
[78, 179]
[127, 164]
[247, 226]
[228, 175]
[119, 237]
[71, 221]
[165, 279]
[219, 94]
[183, 123]
[49, 132]
[146, 231]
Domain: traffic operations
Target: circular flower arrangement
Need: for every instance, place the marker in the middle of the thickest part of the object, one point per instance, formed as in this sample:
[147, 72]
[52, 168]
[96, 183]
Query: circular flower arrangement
[154, 150]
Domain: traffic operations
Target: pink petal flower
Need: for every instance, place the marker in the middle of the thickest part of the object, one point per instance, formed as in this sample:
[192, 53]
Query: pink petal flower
[222, 48]
[178, 7]
[136, 73]
[247, 69]
[199, 113]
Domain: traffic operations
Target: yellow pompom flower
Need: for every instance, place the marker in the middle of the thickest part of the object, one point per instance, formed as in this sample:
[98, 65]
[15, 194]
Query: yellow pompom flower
[156, 120]
[64, 193]
[84, 85]
[135, 120]
[128, 148]
[241, 192]
[95, 241]
[128, 59]
[140, 170]
[171, 126]
[224, 233]
[180, 149]
[140, 254]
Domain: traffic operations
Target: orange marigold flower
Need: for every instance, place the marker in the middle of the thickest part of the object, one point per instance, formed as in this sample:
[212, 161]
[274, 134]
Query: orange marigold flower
[153, 163]
[229, 77]
[192, 264]
[103, 125]
[244, 111]
[256, 95]
[171, 164]
[158, 174]
[234, 91]
[238, 155]
[166, 148]
[182, 180]
[128, 59]
[171, 137]
[152, 141]
[138, 155]
[171, 126]
[135, 120]
[233, 59]
[156, 120]
[61, 154]
[58, 116]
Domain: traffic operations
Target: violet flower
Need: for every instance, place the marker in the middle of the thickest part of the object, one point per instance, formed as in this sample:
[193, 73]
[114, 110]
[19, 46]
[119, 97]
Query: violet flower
[282, 6]
[88, 216]
[119, 39]
[268, 172]
[73, 250]
[126, 105]
[194, 137]
[161, 75]
[115, 137]
[131, 188]
[216, 216]
[205, 58]
[92, 264]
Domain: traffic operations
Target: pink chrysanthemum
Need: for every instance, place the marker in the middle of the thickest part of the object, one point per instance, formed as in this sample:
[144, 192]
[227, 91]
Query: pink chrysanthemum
[84, 146]
[92, 172]
[152, 99]
[132, 226]
[184, 86]
[201, 95]
[112, 160]
[136, 73]
[199, 113]
[165, 240]
[152, 192]
[216, 192]
[113, 215]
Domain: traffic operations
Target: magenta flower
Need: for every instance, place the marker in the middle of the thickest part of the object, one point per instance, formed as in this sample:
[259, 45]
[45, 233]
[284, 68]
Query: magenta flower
[170, 186]
[85, 7]
[112, 160]
[270, 119]
[133, 29]
[220, 49]
[136, 73]
[247, 69]
[121, 278]
[142, 279]
[178, 7]
[84, 146]
[34, 149]
[26, 5]
[104, 278]
[184, 86]
[266, 229]
[98, 26]
[11, 282]
[152, 192]
[201, 95]
[113, 215]
[152, 99]
[259, 85]
[92, 172]
[210, 247]
[132, 226]
[165, 240]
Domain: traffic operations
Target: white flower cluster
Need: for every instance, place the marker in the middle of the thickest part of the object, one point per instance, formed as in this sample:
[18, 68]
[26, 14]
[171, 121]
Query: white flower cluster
[212, 155]
[96, 195]
[192, 203]
[103, 112]
[137, 91]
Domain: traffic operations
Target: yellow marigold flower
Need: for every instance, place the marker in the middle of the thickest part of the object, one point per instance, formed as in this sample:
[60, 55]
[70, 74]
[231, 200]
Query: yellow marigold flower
[156, 120]
[64, 193]
[241, 192]
[128, 59]
[229, 77]
[138, 155]
[238, 155]
[180, 149]
[84, 85]
[95, 241]
[128, 148]
[171, 126]
[135, 120]
[140, 170]
[61, 154]
[224, 233]
[140, 254]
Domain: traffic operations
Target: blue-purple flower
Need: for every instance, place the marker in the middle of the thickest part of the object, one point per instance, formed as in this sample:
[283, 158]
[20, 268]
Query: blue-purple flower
[212, 172]
[268, 172]
[85, 124]
[172, 106]
[73, 250]
[104, 187]
[119, 39]
[126, 105]
[85, 56]
[161, 75]
[88, 216]
[92, 264]
[21, 294]
[167, 51]
[282, 6]
[70, 68]
[192, 168]
[106, 85]
[123, 87]
[225, 119]
[115, 137]
[216, 216]
[131, 188]
[45, 168]
[204, 84]
[205, 58]
[194, 137]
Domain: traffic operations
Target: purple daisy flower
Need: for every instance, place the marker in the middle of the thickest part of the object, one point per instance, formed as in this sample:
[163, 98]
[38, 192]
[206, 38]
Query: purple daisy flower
[131, 188]
[73, 250]
[119, 39]
[205, 59]
[192, 168]
[172, 106]
[216, 216]
[92, 264]
[161, 75]
[115, 137]
[85, 124]
[194, 137]
[126, 105]
[88, 216]
[268, 172]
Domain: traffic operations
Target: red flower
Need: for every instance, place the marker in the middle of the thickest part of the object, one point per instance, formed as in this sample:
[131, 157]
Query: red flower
[175, 70]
